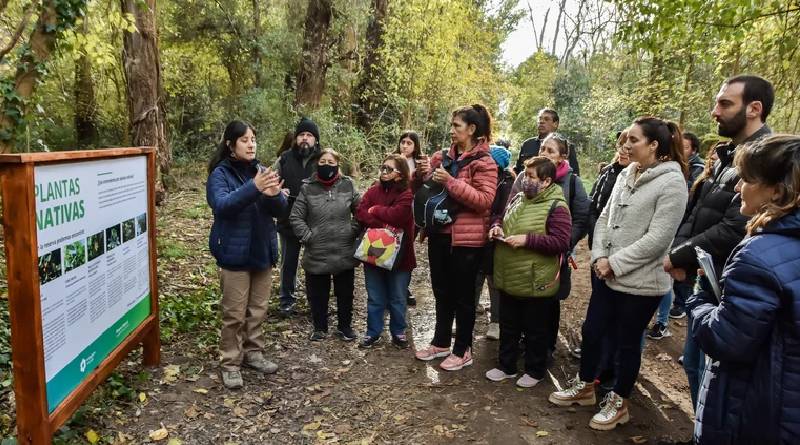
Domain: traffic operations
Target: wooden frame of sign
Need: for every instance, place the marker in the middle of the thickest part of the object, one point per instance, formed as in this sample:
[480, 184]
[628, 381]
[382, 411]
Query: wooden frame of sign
[36, 423]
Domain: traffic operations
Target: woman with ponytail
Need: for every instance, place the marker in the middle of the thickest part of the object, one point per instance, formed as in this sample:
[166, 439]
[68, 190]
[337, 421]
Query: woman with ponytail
[752, 333]
[455, 251]
[245, 198]
[631, 237]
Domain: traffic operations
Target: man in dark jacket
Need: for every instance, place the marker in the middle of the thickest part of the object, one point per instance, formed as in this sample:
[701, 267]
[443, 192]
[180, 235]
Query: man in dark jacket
[294, 166]
[715, 223]
[548, 123]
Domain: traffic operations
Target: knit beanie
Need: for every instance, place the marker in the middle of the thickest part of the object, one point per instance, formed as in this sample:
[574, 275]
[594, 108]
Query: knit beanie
[308, 125]
[500, 155]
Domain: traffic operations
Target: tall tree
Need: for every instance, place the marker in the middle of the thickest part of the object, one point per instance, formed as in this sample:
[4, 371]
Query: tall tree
[16, 90]
[142, 68]
[314, 58]
[85, 104]
[367, 93]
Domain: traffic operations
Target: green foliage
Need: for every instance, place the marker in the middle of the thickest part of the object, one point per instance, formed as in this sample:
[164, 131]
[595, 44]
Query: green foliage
[195, 313]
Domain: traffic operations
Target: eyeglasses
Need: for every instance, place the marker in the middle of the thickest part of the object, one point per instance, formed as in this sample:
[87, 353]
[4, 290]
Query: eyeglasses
[386, 169]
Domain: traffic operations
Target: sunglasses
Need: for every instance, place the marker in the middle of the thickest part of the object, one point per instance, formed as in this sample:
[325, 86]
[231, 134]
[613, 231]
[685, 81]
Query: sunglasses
[386, 169]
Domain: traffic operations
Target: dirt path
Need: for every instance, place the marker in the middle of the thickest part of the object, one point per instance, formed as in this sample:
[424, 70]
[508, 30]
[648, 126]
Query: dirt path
[332, 392]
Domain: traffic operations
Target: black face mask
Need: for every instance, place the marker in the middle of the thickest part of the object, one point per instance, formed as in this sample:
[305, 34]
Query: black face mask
[327, 172]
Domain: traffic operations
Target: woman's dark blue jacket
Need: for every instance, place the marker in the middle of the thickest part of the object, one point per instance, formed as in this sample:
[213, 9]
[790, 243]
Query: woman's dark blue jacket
[751, 389]
[243, 236]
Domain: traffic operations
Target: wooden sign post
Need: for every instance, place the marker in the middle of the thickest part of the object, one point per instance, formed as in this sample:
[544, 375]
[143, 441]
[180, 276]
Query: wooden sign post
[80, 240]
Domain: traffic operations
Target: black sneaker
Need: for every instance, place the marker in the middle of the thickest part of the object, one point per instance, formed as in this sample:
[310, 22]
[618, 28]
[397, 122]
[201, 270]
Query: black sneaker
[318, 336]
[658, 332]
[369, 342]
[677, 313]
[401, 341]
[346, 334]
[287, 310]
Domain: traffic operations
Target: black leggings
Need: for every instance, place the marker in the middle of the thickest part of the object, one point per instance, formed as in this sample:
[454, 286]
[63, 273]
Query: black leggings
[453, 272]
[318, 288]
[626, 315]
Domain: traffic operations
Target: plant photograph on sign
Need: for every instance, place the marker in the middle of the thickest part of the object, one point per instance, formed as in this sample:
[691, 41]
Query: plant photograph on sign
[74, 255]
[113, 237]
[49, 266]
[96, 245]
[128, 230]
[141, 224]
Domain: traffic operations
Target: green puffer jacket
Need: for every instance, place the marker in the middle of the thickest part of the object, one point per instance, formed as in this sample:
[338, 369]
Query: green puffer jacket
[524, 272]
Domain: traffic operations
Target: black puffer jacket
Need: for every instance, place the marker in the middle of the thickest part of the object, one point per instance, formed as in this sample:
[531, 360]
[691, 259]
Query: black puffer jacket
[601, 191]
[715, 223]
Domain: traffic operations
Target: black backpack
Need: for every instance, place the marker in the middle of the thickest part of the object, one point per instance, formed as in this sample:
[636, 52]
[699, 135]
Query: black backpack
[433, 208]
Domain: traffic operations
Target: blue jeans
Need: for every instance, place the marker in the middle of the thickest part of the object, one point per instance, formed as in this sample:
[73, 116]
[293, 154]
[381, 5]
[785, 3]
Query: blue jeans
[290, 255]
[386, 289]
[682, 291]
[694, 359]
[662, 316]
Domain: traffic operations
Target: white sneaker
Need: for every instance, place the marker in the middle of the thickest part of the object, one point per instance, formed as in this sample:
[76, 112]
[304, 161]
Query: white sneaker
[527, 381]
[498, 375]
[493, 332]
[613, 412]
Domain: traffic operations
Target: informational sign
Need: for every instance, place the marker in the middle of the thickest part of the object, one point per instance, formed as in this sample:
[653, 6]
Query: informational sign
[94, 263]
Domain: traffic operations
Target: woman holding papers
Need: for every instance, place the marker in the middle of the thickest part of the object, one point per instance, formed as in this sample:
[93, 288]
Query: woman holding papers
[749, 392]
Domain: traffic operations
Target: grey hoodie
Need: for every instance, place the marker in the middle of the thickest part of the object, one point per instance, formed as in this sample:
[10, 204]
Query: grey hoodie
[636, 228]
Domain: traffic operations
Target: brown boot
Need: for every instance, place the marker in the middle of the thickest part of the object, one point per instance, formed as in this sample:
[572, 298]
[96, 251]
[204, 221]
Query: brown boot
[576, 391]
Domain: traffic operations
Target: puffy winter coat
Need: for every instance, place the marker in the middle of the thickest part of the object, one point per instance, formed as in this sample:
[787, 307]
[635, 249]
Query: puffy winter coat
[243, 235]
[473, 188]
[525, 272]
[751, 392]
[636, 227]
[714, 223]
[390, 206]
[574, 195]
[322, 218]
[601, 192]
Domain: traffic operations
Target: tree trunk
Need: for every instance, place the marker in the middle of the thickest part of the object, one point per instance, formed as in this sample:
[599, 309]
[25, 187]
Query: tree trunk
[85, 105]
[314, 59]
[257, 53]
[367, 93]
[143, 81]
[41, 42]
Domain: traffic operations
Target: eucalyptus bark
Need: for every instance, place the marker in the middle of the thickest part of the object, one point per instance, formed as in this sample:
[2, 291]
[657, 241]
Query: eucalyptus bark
[367, 94]
[145, 96]
[314, 58]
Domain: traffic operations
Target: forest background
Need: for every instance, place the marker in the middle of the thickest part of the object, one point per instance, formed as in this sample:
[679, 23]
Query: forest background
[73, 74]
[78, 74]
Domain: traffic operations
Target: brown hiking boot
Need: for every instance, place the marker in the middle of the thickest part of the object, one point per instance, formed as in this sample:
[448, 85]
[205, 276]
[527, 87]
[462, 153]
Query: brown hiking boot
[613, 412]
[576, 391]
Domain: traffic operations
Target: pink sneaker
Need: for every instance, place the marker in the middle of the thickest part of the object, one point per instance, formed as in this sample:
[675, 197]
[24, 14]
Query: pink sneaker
[431, 352]
[454, 362]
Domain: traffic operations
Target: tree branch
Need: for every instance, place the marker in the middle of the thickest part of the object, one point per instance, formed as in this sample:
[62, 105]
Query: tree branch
[20, 28]
[750, 19]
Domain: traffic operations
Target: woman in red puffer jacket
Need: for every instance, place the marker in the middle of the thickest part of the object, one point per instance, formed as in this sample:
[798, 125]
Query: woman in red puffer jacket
[455, 251]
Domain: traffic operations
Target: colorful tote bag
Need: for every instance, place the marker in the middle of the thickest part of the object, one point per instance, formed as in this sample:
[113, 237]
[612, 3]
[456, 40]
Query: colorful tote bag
[380, 247]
